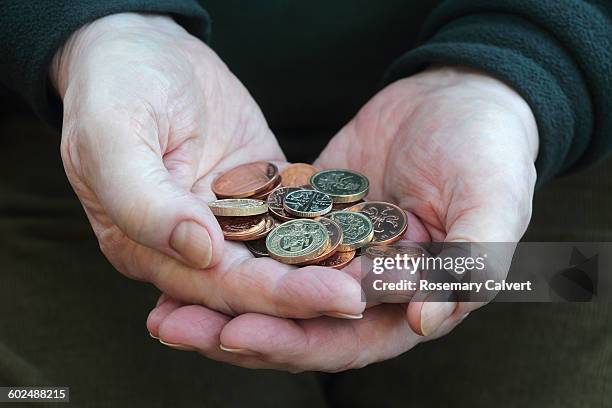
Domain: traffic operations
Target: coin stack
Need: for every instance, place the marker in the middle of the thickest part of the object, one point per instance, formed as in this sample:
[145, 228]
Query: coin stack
[302, 215]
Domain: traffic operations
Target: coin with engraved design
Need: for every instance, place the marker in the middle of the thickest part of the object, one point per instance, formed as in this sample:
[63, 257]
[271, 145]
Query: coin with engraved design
[357, 229]
[297, 241]
[389, 221]
[307, 203]
[344, 186]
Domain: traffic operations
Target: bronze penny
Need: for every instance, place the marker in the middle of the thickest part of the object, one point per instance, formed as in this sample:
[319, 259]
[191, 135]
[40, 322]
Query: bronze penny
[389, 221]
[276, 201]
[382, 251]
[297, 174]
[265, 194]
[258, 247]
[343, 206]
[338, 260]
[246, 180]
[269, 225]
[335, 238]
[241, 228]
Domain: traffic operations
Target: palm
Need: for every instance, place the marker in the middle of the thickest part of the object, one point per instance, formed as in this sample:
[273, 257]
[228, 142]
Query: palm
[447, 149]
[202, 124]
[432, 154]
[151, 118]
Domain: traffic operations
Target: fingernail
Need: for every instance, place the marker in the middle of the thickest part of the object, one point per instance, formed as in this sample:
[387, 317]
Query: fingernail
[151, 334]
[433, 314]
[241, 351]
[161, 299]
[178, 346]
[344, 315]
[192, 242]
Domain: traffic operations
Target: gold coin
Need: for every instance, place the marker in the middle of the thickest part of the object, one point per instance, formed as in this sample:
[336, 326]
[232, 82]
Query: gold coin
[344, 186]
[297, 241]
[237, 207]
[335, 238]
[357, 229]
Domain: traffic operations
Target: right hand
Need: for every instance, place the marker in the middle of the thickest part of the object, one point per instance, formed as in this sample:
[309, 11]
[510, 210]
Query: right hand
[151, 116]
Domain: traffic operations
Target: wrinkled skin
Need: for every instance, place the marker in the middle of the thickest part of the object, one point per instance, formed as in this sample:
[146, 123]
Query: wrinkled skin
[455, 148]
[151, 116]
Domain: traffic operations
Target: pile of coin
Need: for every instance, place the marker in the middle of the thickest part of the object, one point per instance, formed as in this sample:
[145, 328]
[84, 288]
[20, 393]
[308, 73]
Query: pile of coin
[303, 215]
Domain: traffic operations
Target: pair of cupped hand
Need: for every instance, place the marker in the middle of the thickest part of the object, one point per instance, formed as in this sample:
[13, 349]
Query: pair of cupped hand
[152, 115]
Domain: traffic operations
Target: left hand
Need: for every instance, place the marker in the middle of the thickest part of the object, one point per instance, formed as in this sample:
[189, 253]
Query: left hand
[454, 147]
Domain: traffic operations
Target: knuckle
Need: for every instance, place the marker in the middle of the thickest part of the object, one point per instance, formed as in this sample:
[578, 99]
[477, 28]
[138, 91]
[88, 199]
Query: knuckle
[119, 250]
[304, 289]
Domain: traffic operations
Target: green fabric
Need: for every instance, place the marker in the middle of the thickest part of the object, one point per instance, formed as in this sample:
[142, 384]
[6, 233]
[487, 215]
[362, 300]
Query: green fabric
[557, 54]
[31, 33]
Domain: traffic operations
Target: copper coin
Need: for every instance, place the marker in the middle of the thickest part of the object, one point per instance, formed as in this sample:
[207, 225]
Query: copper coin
[276, 201]
[382, 251]
[338, 260]
[335, 238]
[266, 193]
[343, 206]
[297, 174]
[239, 228]
[389, 221]
[258, 247]
[246, 180]
[269, 225]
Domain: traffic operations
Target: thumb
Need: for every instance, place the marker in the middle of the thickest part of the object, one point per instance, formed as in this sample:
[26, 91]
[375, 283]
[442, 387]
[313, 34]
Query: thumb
[491, 232]
[139, 195]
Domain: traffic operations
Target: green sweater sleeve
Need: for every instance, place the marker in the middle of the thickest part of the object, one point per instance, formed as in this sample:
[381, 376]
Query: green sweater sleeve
[31, 33]
[556, 53]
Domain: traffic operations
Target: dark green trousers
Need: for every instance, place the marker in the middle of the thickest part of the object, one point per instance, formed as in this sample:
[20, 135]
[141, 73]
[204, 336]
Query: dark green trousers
[68, 318]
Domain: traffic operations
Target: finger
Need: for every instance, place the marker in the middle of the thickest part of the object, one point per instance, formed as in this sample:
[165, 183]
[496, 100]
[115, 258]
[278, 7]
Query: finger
[416, 231]
[126, 172]
[162, 298]
[490, 231]
[196, 328]
[242, 283]
[160, 312]
[264, 285]
[499, 218]
[425, 317]
[322, 344]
